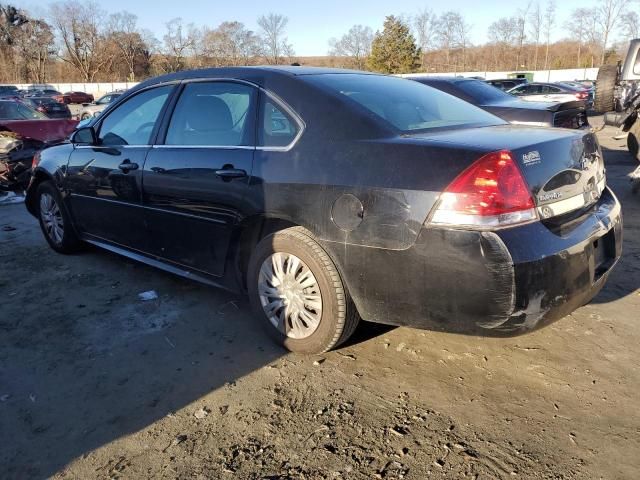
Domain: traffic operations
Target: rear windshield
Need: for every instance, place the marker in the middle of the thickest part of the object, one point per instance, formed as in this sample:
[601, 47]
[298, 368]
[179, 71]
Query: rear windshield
[482, 92]
[17, 111]
[407, 105]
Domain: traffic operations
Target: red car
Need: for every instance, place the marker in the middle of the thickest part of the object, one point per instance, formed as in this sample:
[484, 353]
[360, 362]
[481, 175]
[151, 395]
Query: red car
[78, 97]
[23, 132]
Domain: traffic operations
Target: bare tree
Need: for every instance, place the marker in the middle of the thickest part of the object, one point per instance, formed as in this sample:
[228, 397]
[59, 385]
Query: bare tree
[503, 35]
[535, 30]
[355, 45]
[80, 29]
[34, 45]
[608, 16]
[177, 43]
[425, 25]
[231, 44]
[274, 39]
[549, 21]
[630, 26]
[521, 20]
[452, 33]
[124, 33]
[578, 26]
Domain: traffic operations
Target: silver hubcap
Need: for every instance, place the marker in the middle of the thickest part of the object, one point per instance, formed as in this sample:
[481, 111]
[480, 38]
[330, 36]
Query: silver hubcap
[290, 295]
[51, 218]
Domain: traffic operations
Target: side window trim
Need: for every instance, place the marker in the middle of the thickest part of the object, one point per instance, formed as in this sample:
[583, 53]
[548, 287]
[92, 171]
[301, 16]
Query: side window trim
[171, 105]
[289, 111]
[153, 137]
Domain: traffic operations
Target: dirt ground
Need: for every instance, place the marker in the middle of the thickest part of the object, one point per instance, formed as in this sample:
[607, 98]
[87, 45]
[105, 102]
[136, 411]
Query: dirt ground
[95, 383]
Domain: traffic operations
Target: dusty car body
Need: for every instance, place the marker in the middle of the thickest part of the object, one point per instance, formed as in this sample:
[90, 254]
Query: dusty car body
[481, 94]
[390, 200]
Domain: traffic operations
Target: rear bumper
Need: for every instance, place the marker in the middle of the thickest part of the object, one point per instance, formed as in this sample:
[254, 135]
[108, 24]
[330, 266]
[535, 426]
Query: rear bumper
[509, 281]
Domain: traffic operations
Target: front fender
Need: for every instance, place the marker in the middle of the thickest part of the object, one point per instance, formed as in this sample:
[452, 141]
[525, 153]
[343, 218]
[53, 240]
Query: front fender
[50, 165]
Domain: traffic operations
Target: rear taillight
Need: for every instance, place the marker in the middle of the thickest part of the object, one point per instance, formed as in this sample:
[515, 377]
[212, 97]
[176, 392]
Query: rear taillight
[41, 109]
[489, 193]
[582, 95]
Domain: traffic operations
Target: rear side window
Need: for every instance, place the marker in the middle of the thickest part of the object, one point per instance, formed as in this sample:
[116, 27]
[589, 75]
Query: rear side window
[406, 105]
[213, 114]
[277, 127]
[132, 122]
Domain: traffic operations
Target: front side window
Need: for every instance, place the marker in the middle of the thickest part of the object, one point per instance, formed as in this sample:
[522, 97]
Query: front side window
[132, 122]
[406, 105]
[277, 128]
[213, 114]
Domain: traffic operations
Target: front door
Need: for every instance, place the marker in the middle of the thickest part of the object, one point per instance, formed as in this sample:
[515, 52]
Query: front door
[105, 179]
[195, 182]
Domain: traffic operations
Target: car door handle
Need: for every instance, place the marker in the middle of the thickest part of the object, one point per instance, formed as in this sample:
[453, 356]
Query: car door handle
[231, 173]
[127, 166]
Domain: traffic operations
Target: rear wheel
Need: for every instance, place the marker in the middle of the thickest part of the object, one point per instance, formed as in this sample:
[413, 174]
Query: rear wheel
[605, 87]
[85, 116]
[297, 293]
[55, 221]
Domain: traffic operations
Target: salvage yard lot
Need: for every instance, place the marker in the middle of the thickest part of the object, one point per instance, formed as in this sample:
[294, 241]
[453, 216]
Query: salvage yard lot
[96, 383]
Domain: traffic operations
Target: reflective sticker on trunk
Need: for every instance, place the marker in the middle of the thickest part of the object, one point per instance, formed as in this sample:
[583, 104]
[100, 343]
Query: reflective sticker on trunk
[531, 158]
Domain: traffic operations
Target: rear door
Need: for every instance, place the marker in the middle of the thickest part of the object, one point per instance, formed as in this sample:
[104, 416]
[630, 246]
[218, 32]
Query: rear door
[105, 180]
[196, 180]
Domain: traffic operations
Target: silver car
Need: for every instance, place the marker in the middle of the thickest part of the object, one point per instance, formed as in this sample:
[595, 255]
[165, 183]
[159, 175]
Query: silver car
[93, 109]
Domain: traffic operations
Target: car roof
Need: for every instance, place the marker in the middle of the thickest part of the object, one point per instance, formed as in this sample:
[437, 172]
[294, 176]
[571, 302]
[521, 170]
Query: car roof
[249, 72]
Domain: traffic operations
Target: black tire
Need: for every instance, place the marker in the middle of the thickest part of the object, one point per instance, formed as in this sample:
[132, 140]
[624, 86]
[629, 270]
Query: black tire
[605, 87]
[68, 241]
[339, 317]
[633, 140]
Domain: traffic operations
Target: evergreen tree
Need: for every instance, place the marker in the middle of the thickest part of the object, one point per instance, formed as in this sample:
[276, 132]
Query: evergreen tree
[394, 49]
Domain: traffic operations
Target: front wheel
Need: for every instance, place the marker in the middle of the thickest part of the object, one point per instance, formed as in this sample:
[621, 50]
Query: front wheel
[297, 293]
[55, 221]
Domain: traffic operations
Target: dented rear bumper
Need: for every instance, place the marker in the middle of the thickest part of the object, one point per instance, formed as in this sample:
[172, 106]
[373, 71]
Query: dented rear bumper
[508, 281]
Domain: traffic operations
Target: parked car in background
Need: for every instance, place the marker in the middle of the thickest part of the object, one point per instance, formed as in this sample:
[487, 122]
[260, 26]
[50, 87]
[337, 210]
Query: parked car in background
[507, 83]
[78, 97]
[567, 115]
[8, 90]
[49, 107]
[94, 109]
[55, 94]
[551, 92]
[23, 132]
[411, 207]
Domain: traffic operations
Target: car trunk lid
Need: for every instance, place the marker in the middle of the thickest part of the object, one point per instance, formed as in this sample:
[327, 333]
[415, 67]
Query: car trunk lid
[564, 169]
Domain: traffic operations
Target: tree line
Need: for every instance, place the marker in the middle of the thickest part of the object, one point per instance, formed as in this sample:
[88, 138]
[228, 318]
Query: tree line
[74, 42]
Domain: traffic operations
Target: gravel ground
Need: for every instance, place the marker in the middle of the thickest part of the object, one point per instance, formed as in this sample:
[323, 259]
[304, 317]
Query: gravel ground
[96, 383]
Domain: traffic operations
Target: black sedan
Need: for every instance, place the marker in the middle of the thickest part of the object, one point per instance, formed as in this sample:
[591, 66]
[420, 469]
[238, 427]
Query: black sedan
[331, 195]
[551, 114]
[49, 107]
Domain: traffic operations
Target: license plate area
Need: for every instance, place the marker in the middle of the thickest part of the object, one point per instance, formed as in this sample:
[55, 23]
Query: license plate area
[604, 254]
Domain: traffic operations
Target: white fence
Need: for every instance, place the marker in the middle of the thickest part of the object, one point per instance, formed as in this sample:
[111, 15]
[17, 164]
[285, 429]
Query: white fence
[96, 89]
[538, 76]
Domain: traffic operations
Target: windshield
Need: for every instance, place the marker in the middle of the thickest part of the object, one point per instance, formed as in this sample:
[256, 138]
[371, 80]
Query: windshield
[18, 111]
[482, 92]
[406, 105]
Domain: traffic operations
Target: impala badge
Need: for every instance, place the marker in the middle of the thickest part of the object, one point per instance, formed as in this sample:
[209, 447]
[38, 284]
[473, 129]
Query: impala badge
[531, 158]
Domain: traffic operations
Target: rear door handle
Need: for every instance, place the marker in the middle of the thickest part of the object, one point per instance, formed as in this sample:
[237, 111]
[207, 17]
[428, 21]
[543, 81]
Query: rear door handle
[231, 173]
[127, 166]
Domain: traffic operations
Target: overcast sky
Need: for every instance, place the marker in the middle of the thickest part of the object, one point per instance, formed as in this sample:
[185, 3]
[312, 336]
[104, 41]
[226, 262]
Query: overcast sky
[313, 22]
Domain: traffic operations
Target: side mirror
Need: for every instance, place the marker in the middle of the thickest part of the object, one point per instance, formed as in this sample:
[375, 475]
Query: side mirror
[84, 136]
